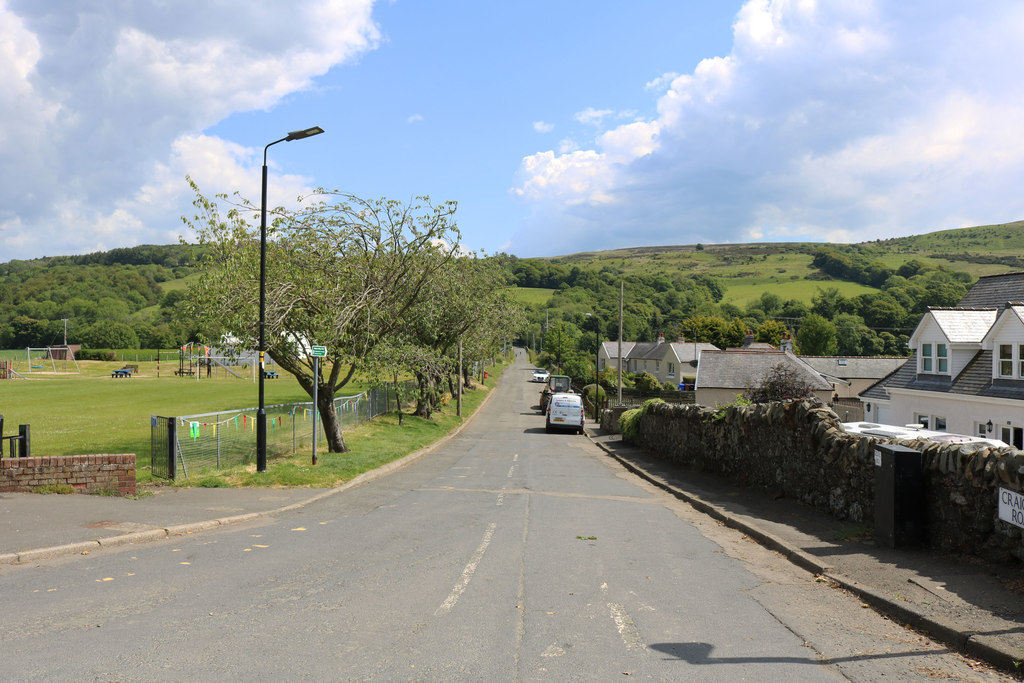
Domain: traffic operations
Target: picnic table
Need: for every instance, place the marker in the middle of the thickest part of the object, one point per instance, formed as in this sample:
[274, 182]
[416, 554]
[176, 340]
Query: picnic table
[121, 373]
[270, 374]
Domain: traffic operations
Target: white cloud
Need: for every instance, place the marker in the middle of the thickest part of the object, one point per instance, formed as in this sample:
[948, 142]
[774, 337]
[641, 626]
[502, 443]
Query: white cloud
[827, 120]
[104, 102]
[594, 117]
[415, 118]
[543, 126]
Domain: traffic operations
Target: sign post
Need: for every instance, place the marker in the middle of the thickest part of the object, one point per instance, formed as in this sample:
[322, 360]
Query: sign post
[317, 352]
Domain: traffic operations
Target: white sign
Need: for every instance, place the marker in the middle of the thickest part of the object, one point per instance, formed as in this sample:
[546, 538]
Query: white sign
[1011, 507]
[319, 352]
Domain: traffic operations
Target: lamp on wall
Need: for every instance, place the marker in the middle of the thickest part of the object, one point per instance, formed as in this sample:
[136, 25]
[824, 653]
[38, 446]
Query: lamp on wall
[988, 426]
[867, 407]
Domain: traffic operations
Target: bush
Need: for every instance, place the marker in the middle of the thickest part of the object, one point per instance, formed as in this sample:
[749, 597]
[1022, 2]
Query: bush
[629, 422]
[647, 382]
[780, 383]
[95, 354]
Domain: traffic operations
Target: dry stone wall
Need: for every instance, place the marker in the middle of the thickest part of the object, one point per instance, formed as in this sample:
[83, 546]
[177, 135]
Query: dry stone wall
[798, 449]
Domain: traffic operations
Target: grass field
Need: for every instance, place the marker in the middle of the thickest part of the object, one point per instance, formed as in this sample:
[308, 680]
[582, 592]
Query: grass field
[532, 296]
[91, 412]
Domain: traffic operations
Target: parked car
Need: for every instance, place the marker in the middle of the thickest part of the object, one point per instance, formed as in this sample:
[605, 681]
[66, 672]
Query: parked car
[541, 375]
[565, 411]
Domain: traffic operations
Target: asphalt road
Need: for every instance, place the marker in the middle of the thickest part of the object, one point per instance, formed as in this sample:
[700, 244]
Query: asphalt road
[509, 554]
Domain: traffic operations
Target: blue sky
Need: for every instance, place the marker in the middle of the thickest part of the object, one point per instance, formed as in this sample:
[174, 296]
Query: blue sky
[558, 126]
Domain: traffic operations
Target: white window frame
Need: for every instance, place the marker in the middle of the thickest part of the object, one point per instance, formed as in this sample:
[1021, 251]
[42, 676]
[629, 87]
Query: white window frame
[1004, 362]
[671, 370]
[934, 358]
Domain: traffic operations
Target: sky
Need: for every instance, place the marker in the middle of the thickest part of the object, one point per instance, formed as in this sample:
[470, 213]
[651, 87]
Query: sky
[559, 126]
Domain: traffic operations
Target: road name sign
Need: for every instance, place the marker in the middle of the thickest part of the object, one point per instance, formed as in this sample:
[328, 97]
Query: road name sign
[319, 352]
[1011, 507]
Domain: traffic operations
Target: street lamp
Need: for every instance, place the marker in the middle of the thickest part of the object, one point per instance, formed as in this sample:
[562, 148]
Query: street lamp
[261, 413]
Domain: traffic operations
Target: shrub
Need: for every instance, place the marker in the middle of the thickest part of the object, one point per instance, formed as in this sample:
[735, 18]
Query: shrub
[647, 382]
[629, 422]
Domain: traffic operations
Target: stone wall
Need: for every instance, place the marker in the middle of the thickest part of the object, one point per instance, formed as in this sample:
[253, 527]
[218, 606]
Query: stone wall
[798, 449]
[83, 473]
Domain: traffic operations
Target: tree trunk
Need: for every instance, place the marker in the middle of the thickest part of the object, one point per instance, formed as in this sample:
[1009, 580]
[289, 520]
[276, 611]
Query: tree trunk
[424, 404]
[332, 424]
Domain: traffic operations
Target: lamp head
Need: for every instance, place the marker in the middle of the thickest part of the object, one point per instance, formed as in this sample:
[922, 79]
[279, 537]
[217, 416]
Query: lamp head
[307, 133]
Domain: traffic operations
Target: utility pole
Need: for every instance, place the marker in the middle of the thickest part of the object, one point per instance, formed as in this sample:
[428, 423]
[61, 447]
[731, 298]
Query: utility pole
[621, 290]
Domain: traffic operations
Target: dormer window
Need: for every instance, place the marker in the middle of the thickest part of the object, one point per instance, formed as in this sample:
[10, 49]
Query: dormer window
[1006, 360]
[934, 358]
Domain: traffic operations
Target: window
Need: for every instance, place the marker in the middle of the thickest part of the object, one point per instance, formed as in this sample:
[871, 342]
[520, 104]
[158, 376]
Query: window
[940, 423]
[1006, 360]
[1020, 361]
[942, 357]
[935, 358]
[926, 357]
[922, 420]
[671, 369]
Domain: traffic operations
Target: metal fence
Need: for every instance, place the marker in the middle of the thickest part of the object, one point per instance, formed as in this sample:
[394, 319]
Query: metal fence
[187, 444]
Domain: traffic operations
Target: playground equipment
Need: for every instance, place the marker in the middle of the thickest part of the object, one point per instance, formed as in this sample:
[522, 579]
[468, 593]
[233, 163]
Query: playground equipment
[7, 370]
[38, 358]
[198, 360]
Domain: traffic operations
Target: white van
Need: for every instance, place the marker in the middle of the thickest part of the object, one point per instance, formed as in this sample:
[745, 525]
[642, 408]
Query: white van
[565, 411]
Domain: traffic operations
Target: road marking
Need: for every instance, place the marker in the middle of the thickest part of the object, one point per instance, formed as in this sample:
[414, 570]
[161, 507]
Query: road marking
[501, 500]
[627, 629]
[510, 471]
[467, 573]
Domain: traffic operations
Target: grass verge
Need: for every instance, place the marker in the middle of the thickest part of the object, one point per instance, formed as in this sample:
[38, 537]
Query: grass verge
[371, 445]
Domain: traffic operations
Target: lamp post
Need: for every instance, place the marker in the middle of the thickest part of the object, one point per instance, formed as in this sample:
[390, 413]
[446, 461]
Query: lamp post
[261, 413]
[597, 366]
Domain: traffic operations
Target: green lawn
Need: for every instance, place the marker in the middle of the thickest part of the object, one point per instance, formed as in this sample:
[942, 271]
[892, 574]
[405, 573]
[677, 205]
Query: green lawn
[532, 296]
[73, 414]
[76, 414]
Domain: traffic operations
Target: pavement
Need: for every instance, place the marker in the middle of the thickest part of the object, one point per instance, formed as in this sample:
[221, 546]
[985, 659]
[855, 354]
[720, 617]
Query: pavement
[973, 607]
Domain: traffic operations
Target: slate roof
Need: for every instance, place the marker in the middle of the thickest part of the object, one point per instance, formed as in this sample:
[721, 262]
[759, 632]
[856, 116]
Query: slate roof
[740, 368]
[854, 367]
[993, 291]
[685, 351]
[611, 349]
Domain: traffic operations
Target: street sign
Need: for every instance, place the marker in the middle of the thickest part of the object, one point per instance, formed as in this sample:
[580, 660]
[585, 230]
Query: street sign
[319, 352]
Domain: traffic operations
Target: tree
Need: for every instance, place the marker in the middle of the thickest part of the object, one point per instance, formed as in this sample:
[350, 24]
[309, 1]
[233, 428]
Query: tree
[110, 335]
[771, 332]
[780, 383]
[342, 272]
[817, 336]
[560, 340]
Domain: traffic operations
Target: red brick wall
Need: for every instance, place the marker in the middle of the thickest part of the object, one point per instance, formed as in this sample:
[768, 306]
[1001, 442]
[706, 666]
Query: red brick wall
[84, 473]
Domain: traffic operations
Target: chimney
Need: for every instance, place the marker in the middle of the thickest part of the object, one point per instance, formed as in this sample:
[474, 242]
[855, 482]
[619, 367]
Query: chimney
[786, 344]
[748, 339]
[682, 339]
[661, 337]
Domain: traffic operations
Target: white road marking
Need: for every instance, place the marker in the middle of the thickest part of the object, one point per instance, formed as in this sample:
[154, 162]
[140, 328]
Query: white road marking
[467, 573]
[501, 500]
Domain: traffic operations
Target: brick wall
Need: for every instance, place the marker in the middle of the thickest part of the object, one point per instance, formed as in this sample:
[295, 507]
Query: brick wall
[84, 473]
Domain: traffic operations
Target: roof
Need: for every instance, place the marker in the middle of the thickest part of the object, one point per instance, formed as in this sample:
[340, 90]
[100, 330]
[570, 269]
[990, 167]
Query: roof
[611, 348]
[969, 322]
[854, 367]
[993, 291]
[742, 368]
[684, 351]
[964, 325]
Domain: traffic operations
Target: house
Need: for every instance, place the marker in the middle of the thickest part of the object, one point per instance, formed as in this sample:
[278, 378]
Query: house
[966, 370]
[608, 355]
[850, 375]
[670, 362]
[723, 375]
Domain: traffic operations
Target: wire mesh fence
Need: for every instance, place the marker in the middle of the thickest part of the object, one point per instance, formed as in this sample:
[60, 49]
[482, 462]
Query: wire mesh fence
[185, 445]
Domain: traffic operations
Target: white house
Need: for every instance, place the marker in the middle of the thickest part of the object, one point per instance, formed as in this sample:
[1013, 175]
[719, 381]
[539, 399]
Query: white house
[966, 372]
